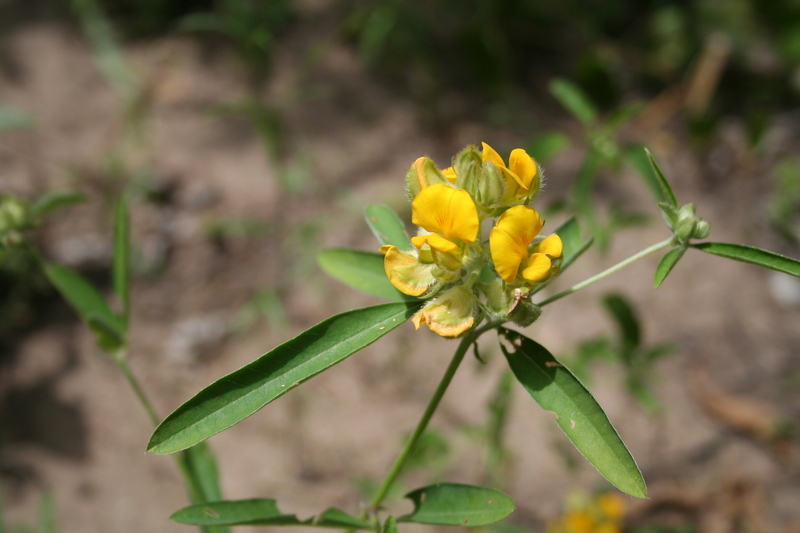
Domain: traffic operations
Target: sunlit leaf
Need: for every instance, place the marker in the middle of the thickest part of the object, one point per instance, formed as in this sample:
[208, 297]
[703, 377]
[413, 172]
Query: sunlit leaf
[360, 270]
[238, 395]
[574, 100]
[666, 265]
[54, 201]
[666, 188]
[454, 504]
[752, 255]
[122, 256]
[578, 414]
[387, 227]
[255, 512]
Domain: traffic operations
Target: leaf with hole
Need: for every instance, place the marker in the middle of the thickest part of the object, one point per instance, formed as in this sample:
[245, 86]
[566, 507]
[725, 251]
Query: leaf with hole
[453, 504]
[362, 271]
[238, 395]
[578, 414]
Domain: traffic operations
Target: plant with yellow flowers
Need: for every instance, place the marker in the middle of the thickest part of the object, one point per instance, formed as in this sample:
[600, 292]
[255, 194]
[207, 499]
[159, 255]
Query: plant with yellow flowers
[476, 264]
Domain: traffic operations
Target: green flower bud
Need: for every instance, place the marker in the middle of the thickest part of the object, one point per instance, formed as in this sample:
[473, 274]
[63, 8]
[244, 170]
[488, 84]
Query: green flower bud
[702, 229]
[685, 230]
[686, 212]
[525, 313]
[422, 173]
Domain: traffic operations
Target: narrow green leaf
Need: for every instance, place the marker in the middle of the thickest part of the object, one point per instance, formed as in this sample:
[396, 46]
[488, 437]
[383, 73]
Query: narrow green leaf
[83, 297]
[238, 395]
[360, 270]
[752, 255]
[574, 100]
[390, 525]
[548, 145]
[574, 245]
[108, 337]
[639, 159]
[666, 188]
[578, 414]
[453, 504]
[387, 227]
[337, 518]
[47, 203]
[622, 311]
[201, 464]
[255, 512]
[122, 256]
[666, 265]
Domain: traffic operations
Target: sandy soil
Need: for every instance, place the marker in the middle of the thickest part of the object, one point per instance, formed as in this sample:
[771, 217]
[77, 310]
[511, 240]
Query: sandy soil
[71, 425]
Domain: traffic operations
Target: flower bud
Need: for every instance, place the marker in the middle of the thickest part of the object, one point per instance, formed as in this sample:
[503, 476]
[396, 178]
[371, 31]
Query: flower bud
[422, 174]
[702, 229]
[525, 313]
[685, 229]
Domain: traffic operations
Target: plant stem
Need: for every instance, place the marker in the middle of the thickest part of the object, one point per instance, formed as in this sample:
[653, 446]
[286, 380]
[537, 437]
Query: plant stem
[137, 388]
[466, 342]
[622, 264]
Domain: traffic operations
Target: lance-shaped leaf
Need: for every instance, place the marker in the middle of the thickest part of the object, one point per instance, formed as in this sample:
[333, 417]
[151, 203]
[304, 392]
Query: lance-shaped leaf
[574, 245]
[666, 189]
[360, 270]
[238, 395]
[387, 227]
[752, 255]
[54, 201]
[260, 512]
[201, 465]
[640, 159]
[574, 100]
[577, 413]
[453, 504]
[666, 265]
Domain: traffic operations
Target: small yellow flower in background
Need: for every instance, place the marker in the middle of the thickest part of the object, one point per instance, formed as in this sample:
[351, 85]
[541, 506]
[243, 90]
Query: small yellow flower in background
[463, 273]
[600, 514]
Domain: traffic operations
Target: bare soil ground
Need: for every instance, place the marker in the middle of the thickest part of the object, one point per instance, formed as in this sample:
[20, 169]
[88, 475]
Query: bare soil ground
[70, 424]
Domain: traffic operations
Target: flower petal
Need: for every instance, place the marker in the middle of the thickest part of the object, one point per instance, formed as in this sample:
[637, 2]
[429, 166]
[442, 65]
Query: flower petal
[450, 212]
[538, 268]
[509, 239]
[552, 246]
[406, 273]
[437, 242]
[448, 315]
[450, 174]
[489, 154]
[523, 165]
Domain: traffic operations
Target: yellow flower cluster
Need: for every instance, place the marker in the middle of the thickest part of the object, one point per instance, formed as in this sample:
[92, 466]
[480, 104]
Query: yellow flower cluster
[601, 514]
[451, 264]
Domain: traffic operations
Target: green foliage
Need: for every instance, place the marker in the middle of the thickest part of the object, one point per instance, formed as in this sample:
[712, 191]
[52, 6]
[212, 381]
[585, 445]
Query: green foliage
[363, 271]
[260, 512]
[666, 265]
[387, 227]
[452, 504]
[577, 413]
[752, 255]
[238, 395]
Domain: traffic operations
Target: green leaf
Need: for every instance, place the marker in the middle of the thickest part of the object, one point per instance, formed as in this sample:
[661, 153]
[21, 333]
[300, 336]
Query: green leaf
[666, 189]
[238, 395]
[574, 245]
[390, 525]
[122, 256]
[387, 227]
[574, 100]
[54, 201]
[260, 512]
[255, 512]
[639, 159]
[752, 255]
[108, 338]
[360, 270]
[548, 145]
[201, 464]
[454, 504]
[627, 321]
[83, 297]
[666, 265]
[578, 414]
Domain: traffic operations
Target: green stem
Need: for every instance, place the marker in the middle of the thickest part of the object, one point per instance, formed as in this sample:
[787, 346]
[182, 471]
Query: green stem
[397, 467]
[122, 364]
[622, 264]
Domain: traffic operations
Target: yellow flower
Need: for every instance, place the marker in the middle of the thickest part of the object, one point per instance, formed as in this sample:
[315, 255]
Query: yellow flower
[449, 214]
[406, 272]
[450, 314]
[509, 243]
[522, 177]
[611, 505]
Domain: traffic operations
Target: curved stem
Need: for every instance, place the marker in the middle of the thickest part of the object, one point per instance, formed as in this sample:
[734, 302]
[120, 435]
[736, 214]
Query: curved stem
[122, 364]
[622, 264]
[397, 467]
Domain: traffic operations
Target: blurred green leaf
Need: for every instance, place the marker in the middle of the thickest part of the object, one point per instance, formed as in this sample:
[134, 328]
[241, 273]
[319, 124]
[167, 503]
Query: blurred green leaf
[360, 270]
[666, 189]
[108, 338]
[574, 245]
[639, 159]
[578, 414]
[255, 512]
[548, 145]
[47, 203]
[666, 265]
[574, 100]
[626, 319]
[387, 227]
[83, 297]
[238, 395]
[752, 255]
[454, 504]
[390, 525]
[14, 119]
[47, 514]
[122, 257]
[201, 464]
[337, 518]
